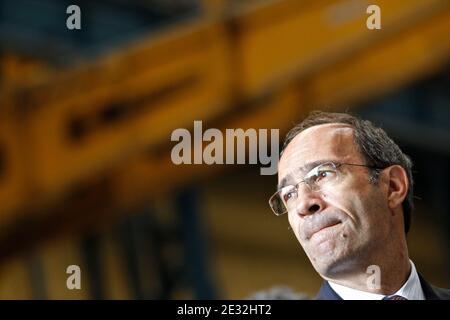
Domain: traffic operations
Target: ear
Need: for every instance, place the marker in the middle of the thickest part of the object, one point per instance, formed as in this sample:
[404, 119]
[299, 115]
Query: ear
[397, 185]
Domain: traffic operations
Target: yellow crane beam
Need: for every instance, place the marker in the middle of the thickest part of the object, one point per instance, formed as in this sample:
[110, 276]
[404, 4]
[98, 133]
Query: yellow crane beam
[103, 118]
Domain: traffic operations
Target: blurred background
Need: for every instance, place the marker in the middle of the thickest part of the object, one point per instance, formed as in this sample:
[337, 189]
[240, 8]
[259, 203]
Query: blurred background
[86, 115]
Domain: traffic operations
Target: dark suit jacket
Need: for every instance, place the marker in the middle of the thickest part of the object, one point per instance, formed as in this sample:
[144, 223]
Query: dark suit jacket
[431, 292]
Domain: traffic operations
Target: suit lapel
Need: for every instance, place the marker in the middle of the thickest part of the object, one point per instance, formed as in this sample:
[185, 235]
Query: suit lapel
[428, 291]
[327, 293]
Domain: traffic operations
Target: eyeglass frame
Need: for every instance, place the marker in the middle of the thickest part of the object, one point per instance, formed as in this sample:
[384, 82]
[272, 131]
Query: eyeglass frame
[336, 165]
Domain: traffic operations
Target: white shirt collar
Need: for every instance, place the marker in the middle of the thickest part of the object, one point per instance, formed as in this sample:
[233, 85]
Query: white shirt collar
[411, 289]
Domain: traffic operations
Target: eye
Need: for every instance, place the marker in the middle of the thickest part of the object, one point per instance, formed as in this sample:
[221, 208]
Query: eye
[289, 195]
[324, 175]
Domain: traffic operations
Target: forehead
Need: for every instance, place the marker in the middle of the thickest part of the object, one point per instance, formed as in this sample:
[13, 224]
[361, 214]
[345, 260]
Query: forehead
[334, 141]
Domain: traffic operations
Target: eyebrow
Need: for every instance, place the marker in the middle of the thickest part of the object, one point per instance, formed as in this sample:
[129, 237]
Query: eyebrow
[289, 180]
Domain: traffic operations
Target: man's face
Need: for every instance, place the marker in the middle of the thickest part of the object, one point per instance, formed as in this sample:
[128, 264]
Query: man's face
[340, 227]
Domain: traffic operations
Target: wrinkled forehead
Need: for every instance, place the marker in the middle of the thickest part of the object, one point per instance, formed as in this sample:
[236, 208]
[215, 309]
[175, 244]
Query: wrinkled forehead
[333, 142]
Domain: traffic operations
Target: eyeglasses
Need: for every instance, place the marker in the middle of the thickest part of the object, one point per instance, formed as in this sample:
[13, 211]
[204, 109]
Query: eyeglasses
[323, 176]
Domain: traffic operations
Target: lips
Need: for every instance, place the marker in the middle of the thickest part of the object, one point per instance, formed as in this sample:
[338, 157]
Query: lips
[317, 223]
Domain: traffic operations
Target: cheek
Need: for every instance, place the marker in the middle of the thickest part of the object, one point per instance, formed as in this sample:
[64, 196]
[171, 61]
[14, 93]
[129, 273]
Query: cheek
[345, 201]
[351, 206]
[294, 222]
[366, 209]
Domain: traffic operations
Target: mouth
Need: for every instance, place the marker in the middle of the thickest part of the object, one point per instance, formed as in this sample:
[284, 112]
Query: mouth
[325, 228]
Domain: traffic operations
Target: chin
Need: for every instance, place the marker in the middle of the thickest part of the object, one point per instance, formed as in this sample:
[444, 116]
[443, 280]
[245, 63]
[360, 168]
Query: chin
[326, 266]
[337, 261]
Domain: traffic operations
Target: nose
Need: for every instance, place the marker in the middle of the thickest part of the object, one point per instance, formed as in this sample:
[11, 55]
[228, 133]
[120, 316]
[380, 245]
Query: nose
[308, 203]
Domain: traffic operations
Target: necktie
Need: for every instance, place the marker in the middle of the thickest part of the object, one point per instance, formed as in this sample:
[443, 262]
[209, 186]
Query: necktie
[394, 297]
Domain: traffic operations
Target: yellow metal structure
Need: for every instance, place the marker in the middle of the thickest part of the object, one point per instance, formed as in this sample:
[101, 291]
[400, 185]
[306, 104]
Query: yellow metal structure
[259, 66]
